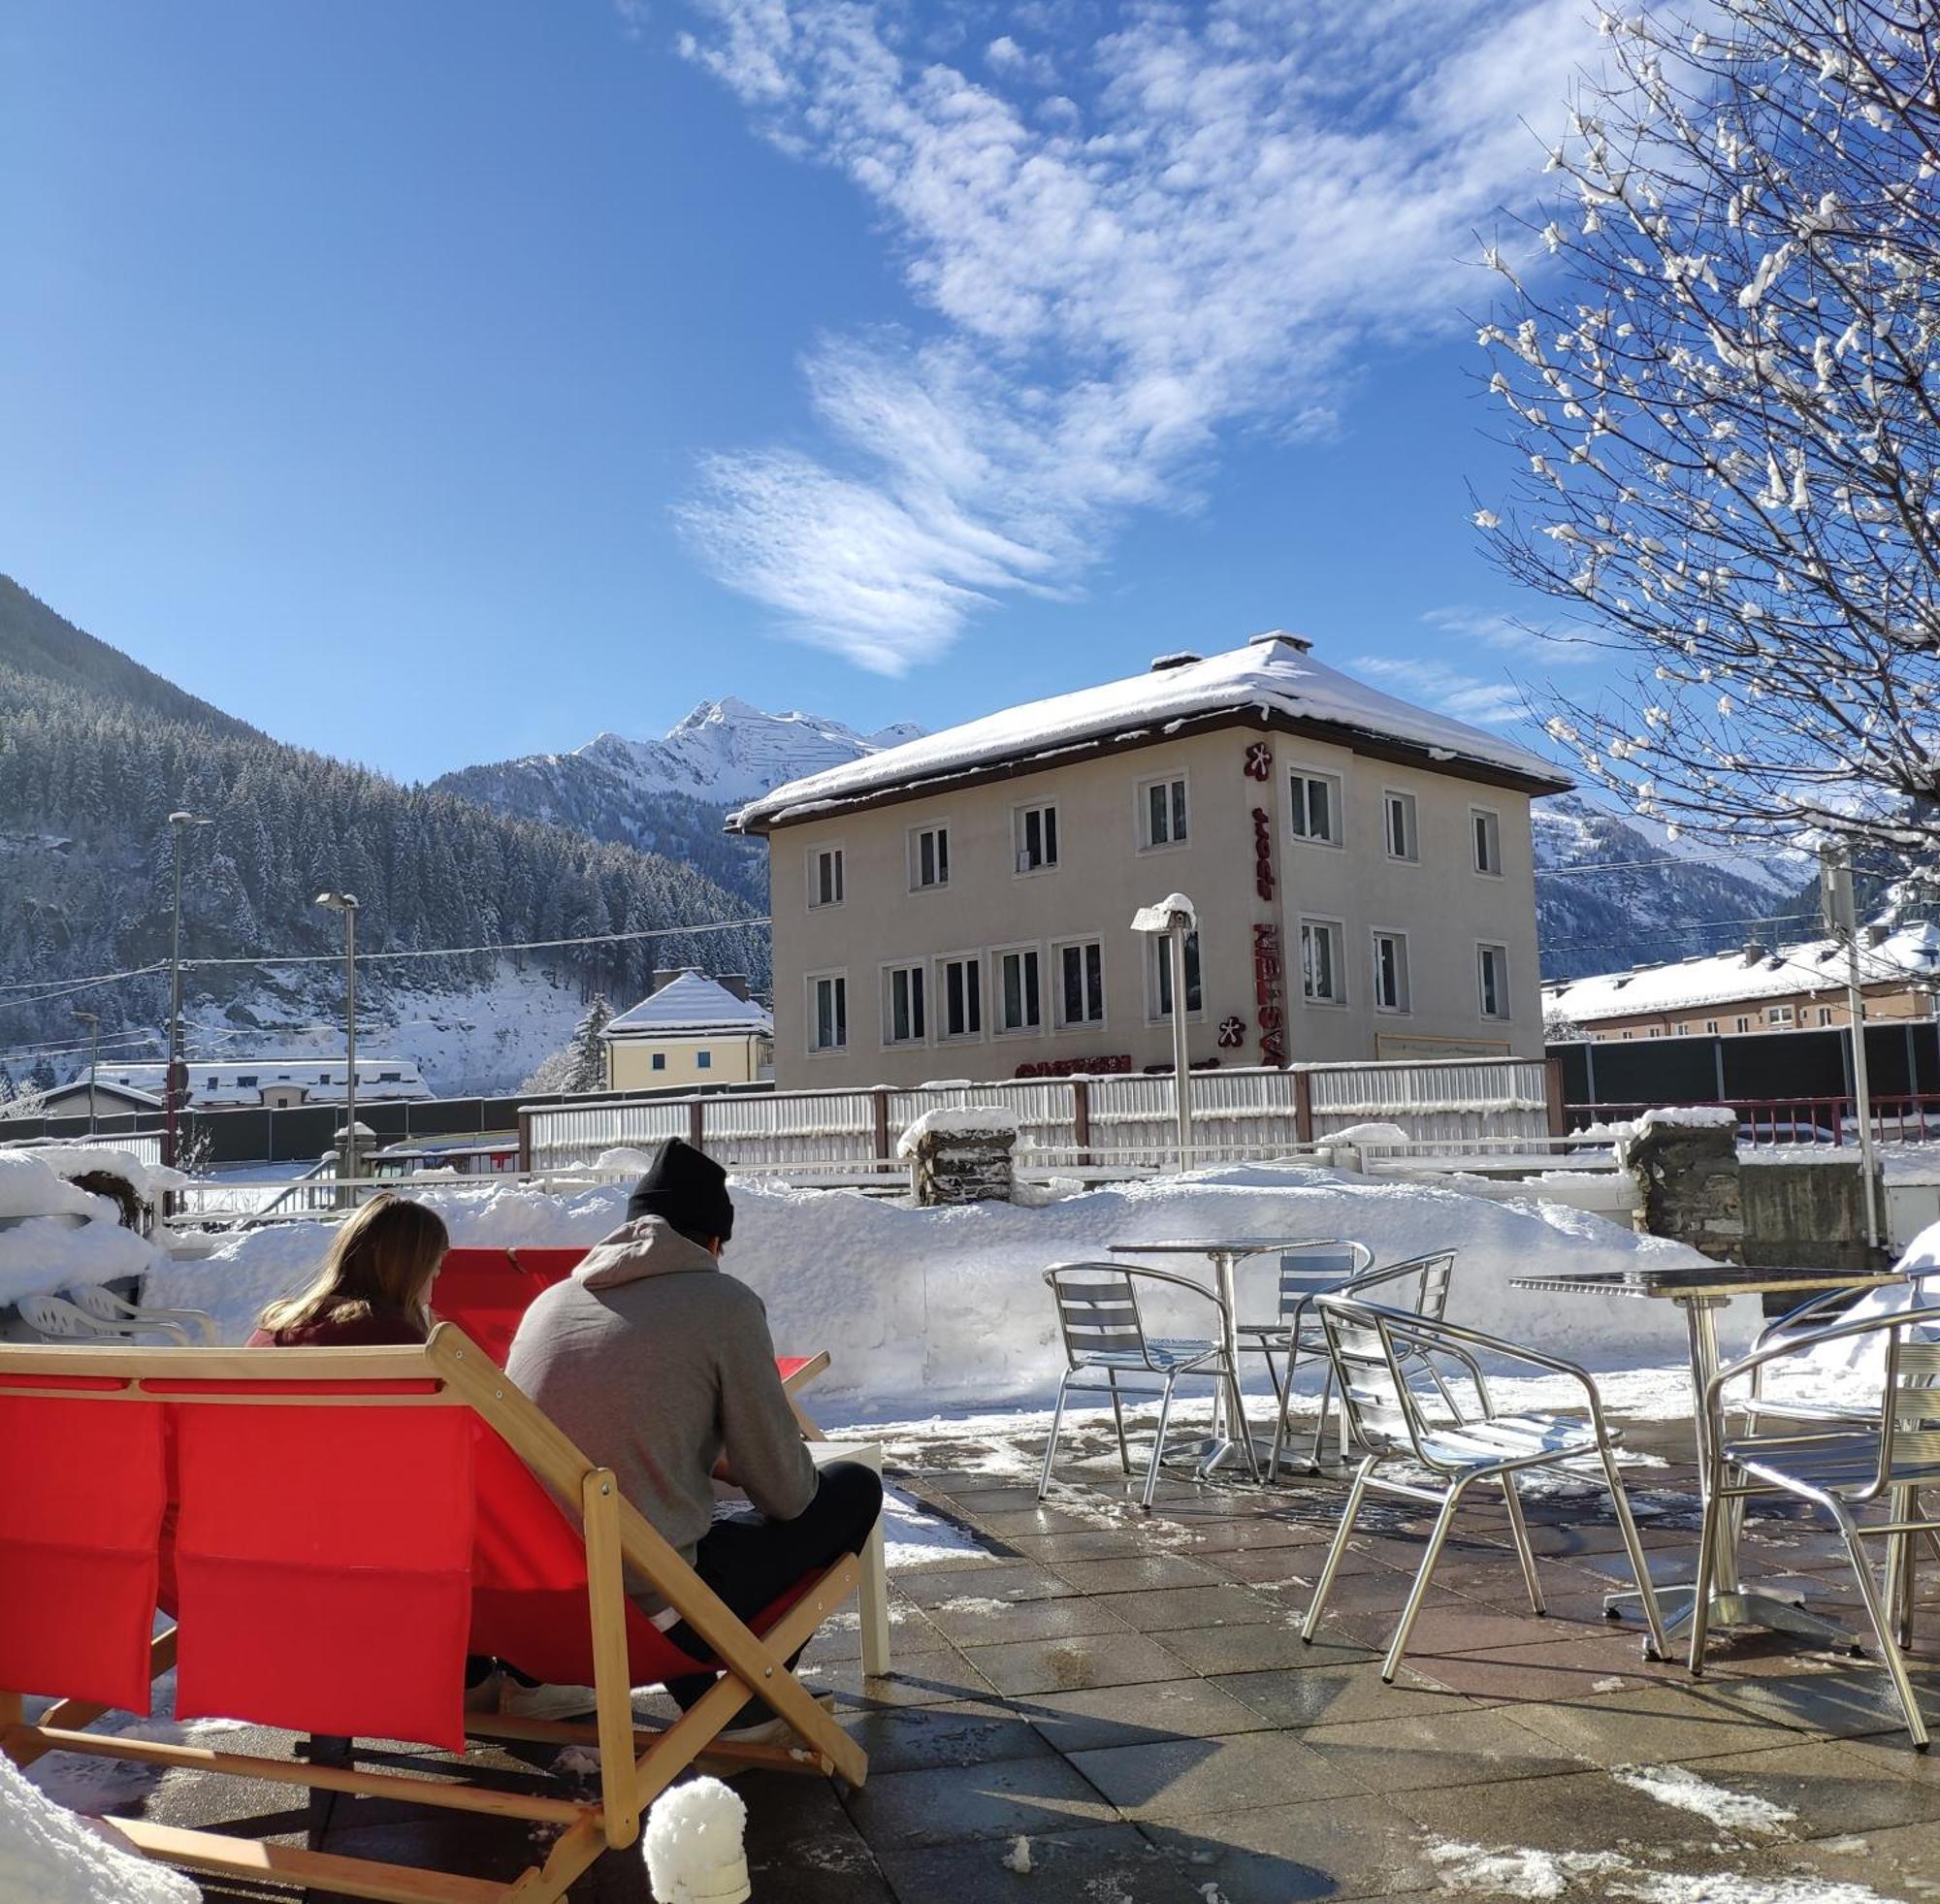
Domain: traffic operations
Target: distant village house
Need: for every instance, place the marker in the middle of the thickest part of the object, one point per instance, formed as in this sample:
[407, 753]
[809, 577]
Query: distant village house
[689, 1029]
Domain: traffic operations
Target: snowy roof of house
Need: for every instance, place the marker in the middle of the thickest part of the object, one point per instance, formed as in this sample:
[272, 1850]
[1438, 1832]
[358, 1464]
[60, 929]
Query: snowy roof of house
[107, 1087]
[1273, 675]
[1814, 965]
[689, 1003]
[217, 1081]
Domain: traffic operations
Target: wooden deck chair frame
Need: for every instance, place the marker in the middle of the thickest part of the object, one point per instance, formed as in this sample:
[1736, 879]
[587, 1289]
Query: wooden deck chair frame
[636, 1764]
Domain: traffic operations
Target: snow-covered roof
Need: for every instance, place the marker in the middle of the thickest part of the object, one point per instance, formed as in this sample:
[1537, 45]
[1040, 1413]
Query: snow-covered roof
[1274, 674]
[105, 1086]
[220, 1080]
[691, 1003]
[1813, 965]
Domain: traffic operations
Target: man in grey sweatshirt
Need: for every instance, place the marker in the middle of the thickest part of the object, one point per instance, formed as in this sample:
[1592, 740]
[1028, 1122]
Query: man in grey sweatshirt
[658, 1364]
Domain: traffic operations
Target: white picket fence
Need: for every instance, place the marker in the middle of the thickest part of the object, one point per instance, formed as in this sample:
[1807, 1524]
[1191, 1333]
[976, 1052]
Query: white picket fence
[1236, 1115]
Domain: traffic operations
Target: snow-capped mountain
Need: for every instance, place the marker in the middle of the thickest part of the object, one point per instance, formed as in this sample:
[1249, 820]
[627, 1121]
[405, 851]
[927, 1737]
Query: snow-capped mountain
[1611, 896]
[671, 795]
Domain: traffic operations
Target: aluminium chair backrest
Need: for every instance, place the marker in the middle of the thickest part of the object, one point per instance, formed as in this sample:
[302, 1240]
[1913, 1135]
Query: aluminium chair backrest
[1382, 1413]
[1419, 1283]
[1313, 1268]
[1098, 1313]
[1910, 1407]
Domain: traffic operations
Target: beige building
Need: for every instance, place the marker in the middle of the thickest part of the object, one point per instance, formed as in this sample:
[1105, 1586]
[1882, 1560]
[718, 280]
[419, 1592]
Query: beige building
[689, 1029]
[1795, 987]
[960, 906]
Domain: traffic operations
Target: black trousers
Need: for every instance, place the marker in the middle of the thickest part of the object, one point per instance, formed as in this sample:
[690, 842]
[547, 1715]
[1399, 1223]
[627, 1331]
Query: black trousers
[752, 1562]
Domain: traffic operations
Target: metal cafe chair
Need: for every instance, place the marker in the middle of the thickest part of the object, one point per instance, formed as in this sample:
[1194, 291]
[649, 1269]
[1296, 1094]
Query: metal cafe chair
[1373, 1350]
[1305, 1270]
[1105, 1337]
[1844, 1469]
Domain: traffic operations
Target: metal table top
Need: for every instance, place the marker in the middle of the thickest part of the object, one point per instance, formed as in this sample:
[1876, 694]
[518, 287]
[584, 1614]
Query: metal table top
[1710, 1280]
[1213, 1245]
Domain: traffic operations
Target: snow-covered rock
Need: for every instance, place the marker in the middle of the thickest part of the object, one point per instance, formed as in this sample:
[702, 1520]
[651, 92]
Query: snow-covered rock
[957, 1120]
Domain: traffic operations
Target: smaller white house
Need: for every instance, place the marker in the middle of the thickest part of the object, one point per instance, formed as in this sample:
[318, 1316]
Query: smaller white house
[274, 1083]
[689, 1029]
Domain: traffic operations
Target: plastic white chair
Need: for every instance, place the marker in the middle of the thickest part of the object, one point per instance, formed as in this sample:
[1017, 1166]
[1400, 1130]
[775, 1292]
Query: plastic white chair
[97, 1299]
[63, 1321]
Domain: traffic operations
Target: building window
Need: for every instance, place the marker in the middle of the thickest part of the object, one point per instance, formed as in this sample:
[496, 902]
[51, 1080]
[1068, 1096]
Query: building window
[905, 1021]
[383, 1078]
[1779, 1015]
[1491, 965]
[828, 1014]
[1656, 1031]
[1487, 829]
[1744, 1024]
[825, 876]
[1398, 826]
[1391, 971]
[1316, 808]
[1162, 811]
[929, 858]
[1322, 978]
[247, 1081]
[659, 1061]
[1684, 1031]
[1160, 989]
[1825, 1015]
[703, 1060]
[1711, 1027]
[1019, 1001]
[1081, 984]
[962, 988]
[1037, 839]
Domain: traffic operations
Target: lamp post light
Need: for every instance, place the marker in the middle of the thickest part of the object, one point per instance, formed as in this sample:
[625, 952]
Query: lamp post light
[346, 904]
[1836, 893]
[171, 1090]
[93, 1021]
[1175, 918]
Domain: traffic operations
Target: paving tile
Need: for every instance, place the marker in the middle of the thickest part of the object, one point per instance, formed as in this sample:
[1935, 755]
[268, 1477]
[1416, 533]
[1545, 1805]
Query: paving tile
[1161, 1609]
[1015, 1580]
[1829, 1786]
[1134, 1575]
[800, 1843]
[1069, 1665]
[1105, 1716]
[1846, 1701]
[1564, 1670]
[1104, 1864]
[1460, 1626]
[974, 1622]
[1086, 1544]
[972, 1732]
[950, 1804]
[1262, 1648]
[1657, 1723]
[921, 1679]
[1180, 1780]
[1893, 1864]
[1425, 1750]
[1270, 1566]
[1325, 1848]
[1335, 1695]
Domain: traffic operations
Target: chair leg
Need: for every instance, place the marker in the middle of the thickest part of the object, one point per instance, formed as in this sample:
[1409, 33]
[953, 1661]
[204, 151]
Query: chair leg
[1714, 1527]
[1899, 1572]
[1876, 1612]
[1158, 1444]
[1242, 1429]
[1620, 1501]
[1419, 1591]
[1320, 1425]
[1519, 1536]
[1050, 1446]
[1336, 1548]
[1118, 1418]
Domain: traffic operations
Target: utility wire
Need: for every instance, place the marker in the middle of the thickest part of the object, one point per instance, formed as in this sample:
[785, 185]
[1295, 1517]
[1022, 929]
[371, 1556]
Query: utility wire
[469, 952]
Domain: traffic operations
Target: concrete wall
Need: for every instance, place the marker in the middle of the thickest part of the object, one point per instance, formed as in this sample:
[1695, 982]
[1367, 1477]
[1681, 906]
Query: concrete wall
[1808, 1215]
[1439, 901]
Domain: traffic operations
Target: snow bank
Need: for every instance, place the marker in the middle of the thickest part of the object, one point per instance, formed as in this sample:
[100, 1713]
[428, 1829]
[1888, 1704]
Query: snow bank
[147, 1180]
[50, 1857]
[957, 1120]
[1690, 1117]
[30, 1186]
[43, 1255]
[1854, 1369]
[946, 1309]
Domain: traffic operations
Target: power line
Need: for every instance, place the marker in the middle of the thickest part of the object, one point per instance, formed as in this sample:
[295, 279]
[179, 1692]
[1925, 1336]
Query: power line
[64, 987]
[1639, 865]
[471, 951]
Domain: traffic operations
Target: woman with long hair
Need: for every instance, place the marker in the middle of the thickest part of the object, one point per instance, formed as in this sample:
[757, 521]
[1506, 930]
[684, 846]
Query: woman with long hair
[374, 1285]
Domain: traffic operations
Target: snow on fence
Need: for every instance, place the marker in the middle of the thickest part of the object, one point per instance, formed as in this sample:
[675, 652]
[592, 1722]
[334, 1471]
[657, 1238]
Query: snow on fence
[1236, 1115]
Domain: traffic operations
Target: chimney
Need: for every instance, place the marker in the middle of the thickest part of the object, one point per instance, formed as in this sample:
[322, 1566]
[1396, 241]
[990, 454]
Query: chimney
[1165, 663]
[1753, 952]
[665, 977]
[736, 983]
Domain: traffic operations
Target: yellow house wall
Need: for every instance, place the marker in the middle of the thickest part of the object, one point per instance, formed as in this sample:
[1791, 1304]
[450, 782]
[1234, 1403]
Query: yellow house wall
[629, 1065]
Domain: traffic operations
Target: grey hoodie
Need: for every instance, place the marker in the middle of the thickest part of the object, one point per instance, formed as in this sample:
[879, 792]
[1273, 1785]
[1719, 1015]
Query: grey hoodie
[655, 1362]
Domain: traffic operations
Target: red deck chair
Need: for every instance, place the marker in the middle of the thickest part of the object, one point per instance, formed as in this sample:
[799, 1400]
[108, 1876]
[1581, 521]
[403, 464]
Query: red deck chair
[348, 1528]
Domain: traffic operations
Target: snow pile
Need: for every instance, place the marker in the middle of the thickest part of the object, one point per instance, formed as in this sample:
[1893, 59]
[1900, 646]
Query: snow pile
[957, 1120]
[72, 1160]
[937, 1308]
[30, 1186]
[1680, 1788]
[1690, 1118]
[693, 1845]
[43, 1255]
[50, 1857]
[1856, 1369]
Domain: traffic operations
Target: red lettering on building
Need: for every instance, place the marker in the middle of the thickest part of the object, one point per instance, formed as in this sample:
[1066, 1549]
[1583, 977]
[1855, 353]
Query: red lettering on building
[1111, 1066]
[1269, 973]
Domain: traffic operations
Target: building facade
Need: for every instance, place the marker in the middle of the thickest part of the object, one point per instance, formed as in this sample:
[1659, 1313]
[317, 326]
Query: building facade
[275, 1082]
[689, 1030]
[961, 906]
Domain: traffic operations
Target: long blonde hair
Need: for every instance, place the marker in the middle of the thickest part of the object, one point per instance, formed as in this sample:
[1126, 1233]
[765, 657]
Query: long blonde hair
[380, 1261]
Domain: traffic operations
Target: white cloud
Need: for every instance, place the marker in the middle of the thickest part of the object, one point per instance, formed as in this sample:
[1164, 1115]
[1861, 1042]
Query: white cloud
[1432, 684]
[1204, 236]
[1467, 627]
[1004, 56]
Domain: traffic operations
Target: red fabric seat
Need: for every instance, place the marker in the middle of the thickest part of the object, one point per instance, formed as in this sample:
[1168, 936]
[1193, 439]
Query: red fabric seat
[485, 1292]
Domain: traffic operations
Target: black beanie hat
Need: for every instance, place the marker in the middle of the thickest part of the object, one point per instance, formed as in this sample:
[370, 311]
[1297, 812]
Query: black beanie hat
[689, 1189]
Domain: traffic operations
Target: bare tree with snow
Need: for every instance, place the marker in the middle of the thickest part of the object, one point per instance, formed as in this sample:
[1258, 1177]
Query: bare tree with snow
[1726, 392]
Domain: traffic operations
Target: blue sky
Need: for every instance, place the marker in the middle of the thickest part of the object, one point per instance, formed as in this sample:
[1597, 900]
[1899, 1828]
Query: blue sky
[438, 382]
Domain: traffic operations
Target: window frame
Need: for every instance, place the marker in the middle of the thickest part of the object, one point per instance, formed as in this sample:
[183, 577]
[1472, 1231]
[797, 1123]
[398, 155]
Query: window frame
[656, 1060]
[1304, 772]
[1411, 828]
[1744, 1027]
[891, 968]
[811, 874]
[913, 856]
[1405, 1007]
[836, 977]
[1142, 810]
[1785, 1015]
[703, 1059]
[1338, 999]
[1824, 1016]
[1493, 817]
[1058, 947]
[940, 998]
[1506, 1001]
[1019, 815]
[1158, 974]
[1027, 947]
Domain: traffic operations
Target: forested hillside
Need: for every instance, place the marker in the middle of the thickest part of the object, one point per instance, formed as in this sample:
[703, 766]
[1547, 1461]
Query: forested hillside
[96, 752]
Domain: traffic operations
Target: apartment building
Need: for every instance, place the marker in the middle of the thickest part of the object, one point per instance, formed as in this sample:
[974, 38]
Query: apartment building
[960, 906]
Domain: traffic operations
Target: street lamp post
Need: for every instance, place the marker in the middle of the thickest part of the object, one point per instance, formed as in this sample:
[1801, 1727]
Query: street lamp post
[171, 1090]
[93, 1021]
[1835, 889]
[346, 904]
[1174, 919]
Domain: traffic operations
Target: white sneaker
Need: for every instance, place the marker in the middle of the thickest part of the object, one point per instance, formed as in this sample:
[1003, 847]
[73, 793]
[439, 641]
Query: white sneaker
[516, 1701]
[485, 1695]
[769, 1731]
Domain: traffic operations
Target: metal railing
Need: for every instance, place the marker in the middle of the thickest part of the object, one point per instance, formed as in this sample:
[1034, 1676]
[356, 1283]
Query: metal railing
[1821, 1119]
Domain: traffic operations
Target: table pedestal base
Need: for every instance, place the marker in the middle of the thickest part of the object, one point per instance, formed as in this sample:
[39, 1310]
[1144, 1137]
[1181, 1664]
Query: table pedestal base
[1741, 1606]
